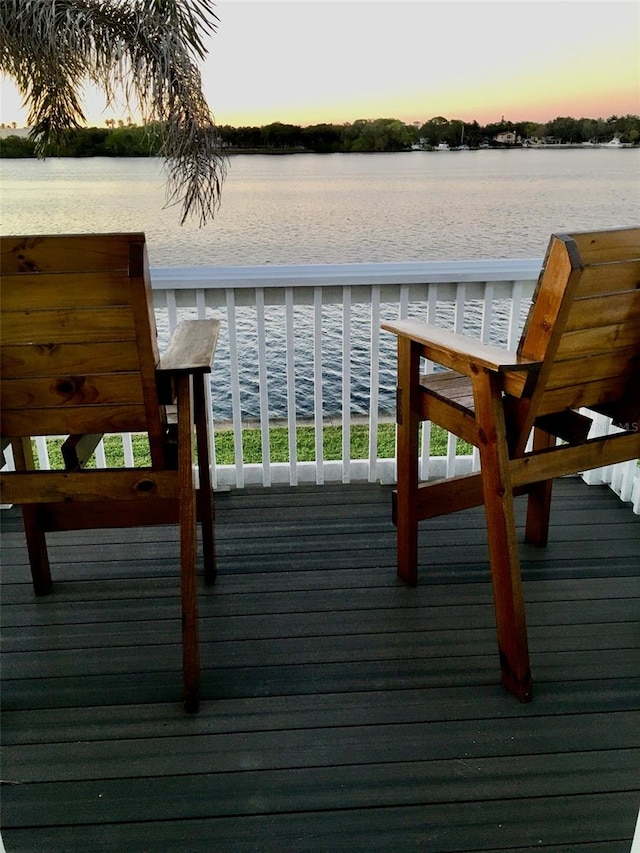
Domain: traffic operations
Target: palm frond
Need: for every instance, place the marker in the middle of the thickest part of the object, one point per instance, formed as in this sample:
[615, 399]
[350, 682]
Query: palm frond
[147, 50]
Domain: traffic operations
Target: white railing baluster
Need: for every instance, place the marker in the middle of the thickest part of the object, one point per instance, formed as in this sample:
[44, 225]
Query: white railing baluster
[432, 303]
[201, 303]
[318, 407]
[236, 410]
[451, 455]
[43, 453]
[346, 384]
[403, 302]
[172, 310]
[486, 325]
[127, 447]
[635, 489]
[374, 382]
[460, 304]
[291, 386]
[263, 387]
[101, 456]
[626, 482]
[514, 316]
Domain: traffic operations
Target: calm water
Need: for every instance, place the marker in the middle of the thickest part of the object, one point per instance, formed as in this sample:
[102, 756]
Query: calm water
[337, 208]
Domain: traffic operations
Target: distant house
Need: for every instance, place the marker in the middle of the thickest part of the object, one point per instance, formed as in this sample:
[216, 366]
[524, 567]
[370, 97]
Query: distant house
[506, 138]
[421, 145]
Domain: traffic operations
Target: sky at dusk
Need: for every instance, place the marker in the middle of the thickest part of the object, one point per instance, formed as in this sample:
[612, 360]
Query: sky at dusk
[312, 61]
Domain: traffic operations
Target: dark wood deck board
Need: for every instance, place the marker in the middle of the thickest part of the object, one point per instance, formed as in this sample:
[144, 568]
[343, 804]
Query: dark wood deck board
[343, 711]
[514, 825]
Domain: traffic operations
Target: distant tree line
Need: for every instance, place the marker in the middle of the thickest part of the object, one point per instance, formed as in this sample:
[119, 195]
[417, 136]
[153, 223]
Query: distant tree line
[364, 135]
[388, 134]
[126, 141]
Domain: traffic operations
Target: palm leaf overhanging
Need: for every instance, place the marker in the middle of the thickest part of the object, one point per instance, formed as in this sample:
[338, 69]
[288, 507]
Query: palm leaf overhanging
[148, 50]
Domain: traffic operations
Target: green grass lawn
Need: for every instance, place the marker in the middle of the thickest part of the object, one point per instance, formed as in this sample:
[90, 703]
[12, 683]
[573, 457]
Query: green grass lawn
[332, 444]
[278, 445]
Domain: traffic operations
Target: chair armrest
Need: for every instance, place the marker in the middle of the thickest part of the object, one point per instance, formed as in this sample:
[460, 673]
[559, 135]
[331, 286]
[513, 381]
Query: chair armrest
[459, 352]
[191, 348]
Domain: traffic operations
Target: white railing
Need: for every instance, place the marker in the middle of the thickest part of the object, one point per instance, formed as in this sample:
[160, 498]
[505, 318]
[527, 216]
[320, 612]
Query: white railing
[623, 478]
[303, 345]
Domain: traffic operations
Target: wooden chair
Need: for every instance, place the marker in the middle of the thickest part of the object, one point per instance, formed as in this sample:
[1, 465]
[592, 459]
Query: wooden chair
[80, 359]
[580, 348]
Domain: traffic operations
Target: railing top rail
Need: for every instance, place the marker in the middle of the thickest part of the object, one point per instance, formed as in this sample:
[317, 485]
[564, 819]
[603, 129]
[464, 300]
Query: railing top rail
[330, 275]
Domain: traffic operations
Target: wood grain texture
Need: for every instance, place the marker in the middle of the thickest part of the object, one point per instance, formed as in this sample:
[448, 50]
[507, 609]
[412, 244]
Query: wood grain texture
[192, 347]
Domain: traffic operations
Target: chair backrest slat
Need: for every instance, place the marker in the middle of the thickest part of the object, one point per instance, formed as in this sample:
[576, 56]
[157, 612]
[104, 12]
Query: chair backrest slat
[100, 289]
[610, 277]
[614, 244]
[584, 326]
[79, 348]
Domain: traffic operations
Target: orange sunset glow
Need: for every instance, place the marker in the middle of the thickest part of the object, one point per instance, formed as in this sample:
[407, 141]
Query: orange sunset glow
[308, 62]
[341, 60]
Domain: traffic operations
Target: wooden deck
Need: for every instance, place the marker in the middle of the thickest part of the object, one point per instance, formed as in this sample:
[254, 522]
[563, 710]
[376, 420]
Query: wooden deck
[342, 711]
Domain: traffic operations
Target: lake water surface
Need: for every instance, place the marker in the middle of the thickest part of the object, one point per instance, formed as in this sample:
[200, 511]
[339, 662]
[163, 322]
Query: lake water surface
[337, 208]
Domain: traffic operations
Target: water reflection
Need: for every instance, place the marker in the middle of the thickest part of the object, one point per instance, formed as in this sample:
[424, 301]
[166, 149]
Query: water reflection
[337, 208]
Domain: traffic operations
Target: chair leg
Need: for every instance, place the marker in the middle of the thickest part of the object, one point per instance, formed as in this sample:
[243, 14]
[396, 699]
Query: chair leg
[36, 540]
[406, 506]
[37, 550]
[206, 508]
[188, 547]
[502, 540]
[539, 501]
